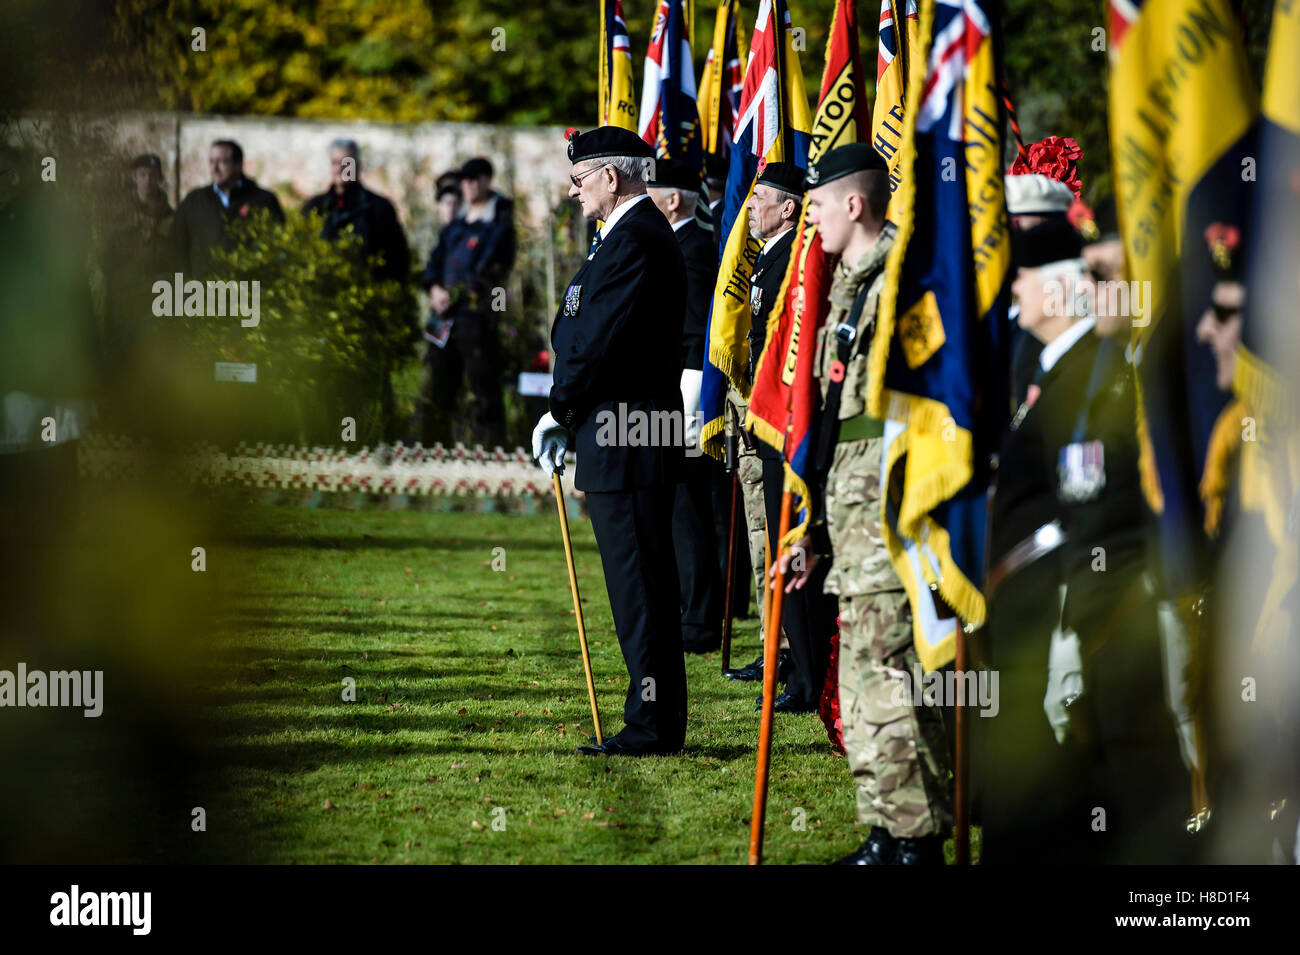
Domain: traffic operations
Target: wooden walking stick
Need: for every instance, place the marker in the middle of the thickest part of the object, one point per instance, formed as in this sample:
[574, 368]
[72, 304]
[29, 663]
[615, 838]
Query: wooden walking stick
[771, 641]
[731, 574]
[577, 606]
[961, 820]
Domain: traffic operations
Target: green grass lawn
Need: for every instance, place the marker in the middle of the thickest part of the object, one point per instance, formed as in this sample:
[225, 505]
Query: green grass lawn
[469, 701]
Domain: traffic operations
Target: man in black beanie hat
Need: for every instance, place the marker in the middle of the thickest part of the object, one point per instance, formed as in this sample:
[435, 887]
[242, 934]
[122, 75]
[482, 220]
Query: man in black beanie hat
[617, 340]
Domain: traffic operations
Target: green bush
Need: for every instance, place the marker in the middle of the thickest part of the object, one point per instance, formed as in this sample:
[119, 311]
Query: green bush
[329, 335]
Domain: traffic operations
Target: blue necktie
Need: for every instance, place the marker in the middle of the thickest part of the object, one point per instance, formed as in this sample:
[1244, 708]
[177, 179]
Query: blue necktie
[595, 243]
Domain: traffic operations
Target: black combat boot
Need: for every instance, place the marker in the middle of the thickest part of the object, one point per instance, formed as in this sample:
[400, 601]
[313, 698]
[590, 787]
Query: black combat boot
[879, 849]
[925, 850]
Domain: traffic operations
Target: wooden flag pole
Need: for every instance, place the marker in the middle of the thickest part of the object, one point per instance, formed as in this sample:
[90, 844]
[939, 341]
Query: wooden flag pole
[771, 642]
[577, 606]
[731, 574]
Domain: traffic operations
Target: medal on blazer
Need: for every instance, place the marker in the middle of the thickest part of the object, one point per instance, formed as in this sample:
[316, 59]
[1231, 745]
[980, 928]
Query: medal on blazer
[571, 300]
[1081, 471]
[755, 298]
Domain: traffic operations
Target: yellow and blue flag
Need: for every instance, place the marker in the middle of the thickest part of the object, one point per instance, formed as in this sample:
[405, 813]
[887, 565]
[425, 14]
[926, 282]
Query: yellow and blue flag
[773, 126]
[1270, 339]
[1269, 330]
[615, 104]
[1182, 122]
[722, 81]
[897, 29]
[938, 357]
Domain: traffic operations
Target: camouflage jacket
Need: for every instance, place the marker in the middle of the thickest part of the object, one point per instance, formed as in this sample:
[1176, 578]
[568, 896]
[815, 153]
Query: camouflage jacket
[844, 290]
[861, 563]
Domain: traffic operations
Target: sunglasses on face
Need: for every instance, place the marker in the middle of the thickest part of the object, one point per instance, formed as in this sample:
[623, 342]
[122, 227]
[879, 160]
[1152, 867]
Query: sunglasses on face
[1224, 313]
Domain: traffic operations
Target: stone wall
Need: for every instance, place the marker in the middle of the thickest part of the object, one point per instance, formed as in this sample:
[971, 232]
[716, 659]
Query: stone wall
[401, 161]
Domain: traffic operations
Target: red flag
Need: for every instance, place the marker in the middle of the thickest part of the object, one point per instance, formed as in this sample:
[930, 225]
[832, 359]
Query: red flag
[786, 392]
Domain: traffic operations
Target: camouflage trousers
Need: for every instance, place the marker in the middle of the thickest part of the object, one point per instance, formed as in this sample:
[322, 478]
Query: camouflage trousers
[898, 753]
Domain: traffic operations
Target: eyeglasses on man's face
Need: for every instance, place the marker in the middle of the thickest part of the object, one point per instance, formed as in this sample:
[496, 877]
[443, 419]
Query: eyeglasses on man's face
[577, 180]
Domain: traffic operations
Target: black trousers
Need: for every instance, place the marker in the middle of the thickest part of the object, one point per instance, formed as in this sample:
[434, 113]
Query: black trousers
[1035, 803]
[633, 533]
[700, 582]
[807, 615]
[742, 573]
[474, 353]
[1115, 792]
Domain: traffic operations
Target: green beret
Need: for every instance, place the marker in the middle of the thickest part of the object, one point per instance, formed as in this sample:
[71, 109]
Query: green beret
[844, 161]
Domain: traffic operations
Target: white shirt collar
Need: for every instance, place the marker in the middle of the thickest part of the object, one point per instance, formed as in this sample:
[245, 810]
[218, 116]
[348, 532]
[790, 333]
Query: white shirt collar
[225, 196]
[677, 226]
[1053, 351]
[618, 213]
[487, 215]
[772, 241]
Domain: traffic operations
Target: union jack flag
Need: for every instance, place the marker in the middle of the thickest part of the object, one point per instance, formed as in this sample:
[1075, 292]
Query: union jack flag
[670, 120]
[889, 45]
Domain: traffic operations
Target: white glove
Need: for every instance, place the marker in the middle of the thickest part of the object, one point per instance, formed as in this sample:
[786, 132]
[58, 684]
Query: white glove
[550, 442]
[690, 386]
[1064, 678]
[1176, 651]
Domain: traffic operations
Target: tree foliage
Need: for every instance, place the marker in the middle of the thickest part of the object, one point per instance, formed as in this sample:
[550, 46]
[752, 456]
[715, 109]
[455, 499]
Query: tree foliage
[503, 62]
[327, 330]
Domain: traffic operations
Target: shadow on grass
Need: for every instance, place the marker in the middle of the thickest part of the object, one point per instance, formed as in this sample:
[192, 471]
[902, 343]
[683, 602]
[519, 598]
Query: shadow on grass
[581, 543]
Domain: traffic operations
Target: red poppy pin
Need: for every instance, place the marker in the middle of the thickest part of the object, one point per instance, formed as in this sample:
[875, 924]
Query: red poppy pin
[473, 241]
[1083, 219]
[243, 210]
[1223, 240]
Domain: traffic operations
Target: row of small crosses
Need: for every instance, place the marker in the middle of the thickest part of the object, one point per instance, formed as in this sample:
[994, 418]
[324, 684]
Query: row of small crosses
[390, 469]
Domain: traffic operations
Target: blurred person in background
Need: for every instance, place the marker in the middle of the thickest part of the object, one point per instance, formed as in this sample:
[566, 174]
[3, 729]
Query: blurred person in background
[447, 196]
[134, 251]
[465, 278]
[202, 221]
[348, 205]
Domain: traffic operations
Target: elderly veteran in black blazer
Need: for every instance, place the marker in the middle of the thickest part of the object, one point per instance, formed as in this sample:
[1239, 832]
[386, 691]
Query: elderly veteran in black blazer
[615, 400]
[675, 190]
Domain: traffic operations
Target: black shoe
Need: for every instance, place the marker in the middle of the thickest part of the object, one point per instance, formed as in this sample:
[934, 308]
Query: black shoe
[754, 671]
[879, 849]
[615, 746]
[748, 673]
[785, 703]
[925, 850]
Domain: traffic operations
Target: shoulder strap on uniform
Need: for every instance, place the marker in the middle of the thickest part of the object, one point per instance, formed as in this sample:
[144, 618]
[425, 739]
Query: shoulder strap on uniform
[847, 341]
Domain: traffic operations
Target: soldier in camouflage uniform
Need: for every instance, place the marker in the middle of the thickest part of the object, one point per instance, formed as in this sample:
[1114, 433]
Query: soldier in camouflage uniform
[750, 467]
[898, 754]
